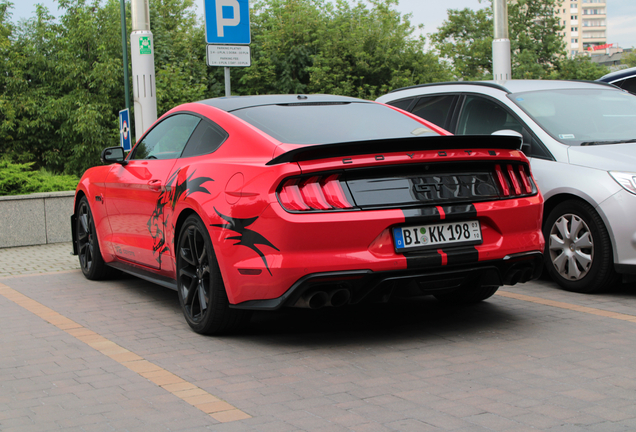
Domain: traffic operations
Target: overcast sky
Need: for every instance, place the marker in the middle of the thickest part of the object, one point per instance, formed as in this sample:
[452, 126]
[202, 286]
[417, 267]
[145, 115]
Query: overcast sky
[621, 15]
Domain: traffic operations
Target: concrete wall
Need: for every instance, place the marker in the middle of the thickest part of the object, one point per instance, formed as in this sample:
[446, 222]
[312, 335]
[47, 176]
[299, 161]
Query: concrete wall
[36, 219]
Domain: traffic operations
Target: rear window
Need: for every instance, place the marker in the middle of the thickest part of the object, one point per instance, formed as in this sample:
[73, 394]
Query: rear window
[324, 123]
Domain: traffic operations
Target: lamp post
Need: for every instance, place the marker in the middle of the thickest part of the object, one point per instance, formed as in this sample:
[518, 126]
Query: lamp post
[502, 70]
[143, 67]
[124, 50]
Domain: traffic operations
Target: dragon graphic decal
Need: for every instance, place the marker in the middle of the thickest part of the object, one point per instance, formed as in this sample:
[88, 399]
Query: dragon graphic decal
[184, 187]
[246, 237]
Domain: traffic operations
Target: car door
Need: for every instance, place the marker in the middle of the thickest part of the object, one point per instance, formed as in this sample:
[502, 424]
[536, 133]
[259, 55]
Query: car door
[133, 192]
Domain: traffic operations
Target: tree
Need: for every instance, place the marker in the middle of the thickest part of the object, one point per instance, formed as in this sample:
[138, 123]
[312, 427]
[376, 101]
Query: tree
[465, 39]
[367, 52]
[316, 46]
[629, 59]
[579, 68]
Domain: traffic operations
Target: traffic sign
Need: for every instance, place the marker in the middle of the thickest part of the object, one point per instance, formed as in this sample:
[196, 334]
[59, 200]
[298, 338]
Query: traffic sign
[229, 55]
[227, 22]
[124, 129]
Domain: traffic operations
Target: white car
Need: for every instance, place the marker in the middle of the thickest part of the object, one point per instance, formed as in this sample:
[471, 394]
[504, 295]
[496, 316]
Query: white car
[581, 140]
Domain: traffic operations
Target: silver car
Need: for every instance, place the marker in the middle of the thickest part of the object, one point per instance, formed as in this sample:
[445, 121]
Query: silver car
[581, 140]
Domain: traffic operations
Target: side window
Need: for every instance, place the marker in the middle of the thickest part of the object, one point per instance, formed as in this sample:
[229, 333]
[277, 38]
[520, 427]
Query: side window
[435, 109]
[629, 84]
[167, 139]
[402, 103]
[206, 138]
[481, 116]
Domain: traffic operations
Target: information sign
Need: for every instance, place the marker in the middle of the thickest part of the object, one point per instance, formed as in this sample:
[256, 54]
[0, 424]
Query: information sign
[229, 55]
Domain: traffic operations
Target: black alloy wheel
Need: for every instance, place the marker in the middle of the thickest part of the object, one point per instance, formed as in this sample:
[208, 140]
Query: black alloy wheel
[90, 257]
[200, 285]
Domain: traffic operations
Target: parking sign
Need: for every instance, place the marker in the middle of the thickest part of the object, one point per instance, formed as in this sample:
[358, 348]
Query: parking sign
[227, 22]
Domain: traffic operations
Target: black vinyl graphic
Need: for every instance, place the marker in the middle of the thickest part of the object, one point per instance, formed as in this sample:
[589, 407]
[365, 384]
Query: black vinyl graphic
[464, 255]
[171, 195]
[426, 259]
[246, 237]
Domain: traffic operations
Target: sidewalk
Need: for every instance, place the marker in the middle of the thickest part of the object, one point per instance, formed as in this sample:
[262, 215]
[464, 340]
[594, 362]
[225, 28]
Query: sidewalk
[37, 259]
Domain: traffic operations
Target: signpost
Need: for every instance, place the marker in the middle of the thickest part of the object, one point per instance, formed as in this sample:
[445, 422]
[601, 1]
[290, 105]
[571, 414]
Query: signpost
[227, 33]
[124, 129]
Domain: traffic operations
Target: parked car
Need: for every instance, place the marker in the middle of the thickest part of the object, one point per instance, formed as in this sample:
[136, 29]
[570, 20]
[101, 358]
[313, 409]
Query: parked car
[625, 79]
[256, 203]
[580, 138]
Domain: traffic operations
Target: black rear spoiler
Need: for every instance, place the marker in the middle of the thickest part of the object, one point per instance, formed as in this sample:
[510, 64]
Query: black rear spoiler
[453, 142]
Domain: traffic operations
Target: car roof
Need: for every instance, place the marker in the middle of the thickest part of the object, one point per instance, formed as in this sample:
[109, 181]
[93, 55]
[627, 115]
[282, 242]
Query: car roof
[623, 73]
[233, 103]
[517, 86]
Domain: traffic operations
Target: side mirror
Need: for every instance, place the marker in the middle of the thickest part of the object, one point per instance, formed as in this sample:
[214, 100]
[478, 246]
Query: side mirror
[113, 155]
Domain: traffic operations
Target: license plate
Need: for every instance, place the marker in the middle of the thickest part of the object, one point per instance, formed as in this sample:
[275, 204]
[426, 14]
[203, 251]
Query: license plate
[435, 235]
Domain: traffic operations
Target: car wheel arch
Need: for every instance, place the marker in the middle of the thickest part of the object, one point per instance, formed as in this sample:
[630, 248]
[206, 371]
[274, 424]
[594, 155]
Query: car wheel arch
[177, 226]
[552, 201]
[183, 215]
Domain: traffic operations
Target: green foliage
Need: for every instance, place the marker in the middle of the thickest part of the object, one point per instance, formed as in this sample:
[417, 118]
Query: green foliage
[20, 179]
[579, 68]
[629, 59]
[465, 39]
[360, 49]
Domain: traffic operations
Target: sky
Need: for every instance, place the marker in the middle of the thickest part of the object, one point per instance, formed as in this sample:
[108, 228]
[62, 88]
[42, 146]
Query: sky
[621, 18]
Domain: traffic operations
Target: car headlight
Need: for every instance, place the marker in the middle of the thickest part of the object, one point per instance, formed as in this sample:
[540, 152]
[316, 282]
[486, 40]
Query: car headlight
[625, 179]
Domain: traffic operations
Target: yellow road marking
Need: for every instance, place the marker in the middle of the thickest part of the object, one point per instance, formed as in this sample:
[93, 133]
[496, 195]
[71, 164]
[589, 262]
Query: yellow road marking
[190, 393]
[568, 306]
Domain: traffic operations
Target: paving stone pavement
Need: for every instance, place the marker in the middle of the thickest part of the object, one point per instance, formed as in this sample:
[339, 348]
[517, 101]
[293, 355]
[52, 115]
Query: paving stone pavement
[37, 259]
[506, 364]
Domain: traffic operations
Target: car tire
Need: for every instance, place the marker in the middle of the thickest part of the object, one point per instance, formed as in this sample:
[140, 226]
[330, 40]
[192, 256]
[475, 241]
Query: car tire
[578, 250]
[200, 285]
[88, 251]
[467, 294]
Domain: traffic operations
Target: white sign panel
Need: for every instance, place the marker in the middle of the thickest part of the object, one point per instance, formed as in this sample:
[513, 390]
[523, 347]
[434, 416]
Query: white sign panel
[229, 55]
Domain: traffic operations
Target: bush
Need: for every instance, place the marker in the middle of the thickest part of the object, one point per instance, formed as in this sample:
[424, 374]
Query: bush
[20, 179]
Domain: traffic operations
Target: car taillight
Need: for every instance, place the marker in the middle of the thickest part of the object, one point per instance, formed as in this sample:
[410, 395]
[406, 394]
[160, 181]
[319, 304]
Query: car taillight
[513, 180]
[313, 193]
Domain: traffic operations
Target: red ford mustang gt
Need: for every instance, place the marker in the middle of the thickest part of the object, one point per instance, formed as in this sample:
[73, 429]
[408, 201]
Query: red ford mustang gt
[261, 202]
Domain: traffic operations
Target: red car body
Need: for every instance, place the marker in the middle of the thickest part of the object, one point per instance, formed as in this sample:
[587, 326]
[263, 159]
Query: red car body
[271, 256]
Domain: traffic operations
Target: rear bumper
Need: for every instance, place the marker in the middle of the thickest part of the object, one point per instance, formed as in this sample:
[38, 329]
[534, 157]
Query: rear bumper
[366, 285]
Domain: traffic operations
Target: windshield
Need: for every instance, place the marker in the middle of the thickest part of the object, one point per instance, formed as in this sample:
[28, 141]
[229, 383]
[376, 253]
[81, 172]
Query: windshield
[582, 116]
[325, 123]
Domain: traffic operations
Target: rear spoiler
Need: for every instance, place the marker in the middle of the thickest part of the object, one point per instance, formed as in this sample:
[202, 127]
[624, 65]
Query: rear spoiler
[454, 142]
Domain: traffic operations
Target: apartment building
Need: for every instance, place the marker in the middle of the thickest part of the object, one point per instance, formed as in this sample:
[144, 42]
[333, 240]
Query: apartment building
[585, 23]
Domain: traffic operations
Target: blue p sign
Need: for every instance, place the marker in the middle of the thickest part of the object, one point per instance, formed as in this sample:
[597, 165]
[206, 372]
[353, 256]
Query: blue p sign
[227, 22]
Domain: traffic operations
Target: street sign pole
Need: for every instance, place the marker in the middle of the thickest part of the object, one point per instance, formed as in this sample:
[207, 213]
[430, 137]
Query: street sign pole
[124, 49]
[228, 90]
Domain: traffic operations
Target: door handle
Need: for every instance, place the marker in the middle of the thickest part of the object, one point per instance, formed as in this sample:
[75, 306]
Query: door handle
[154, 185]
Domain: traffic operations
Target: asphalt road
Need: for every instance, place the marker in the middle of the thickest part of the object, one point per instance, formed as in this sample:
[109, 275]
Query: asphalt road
[77, 355]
